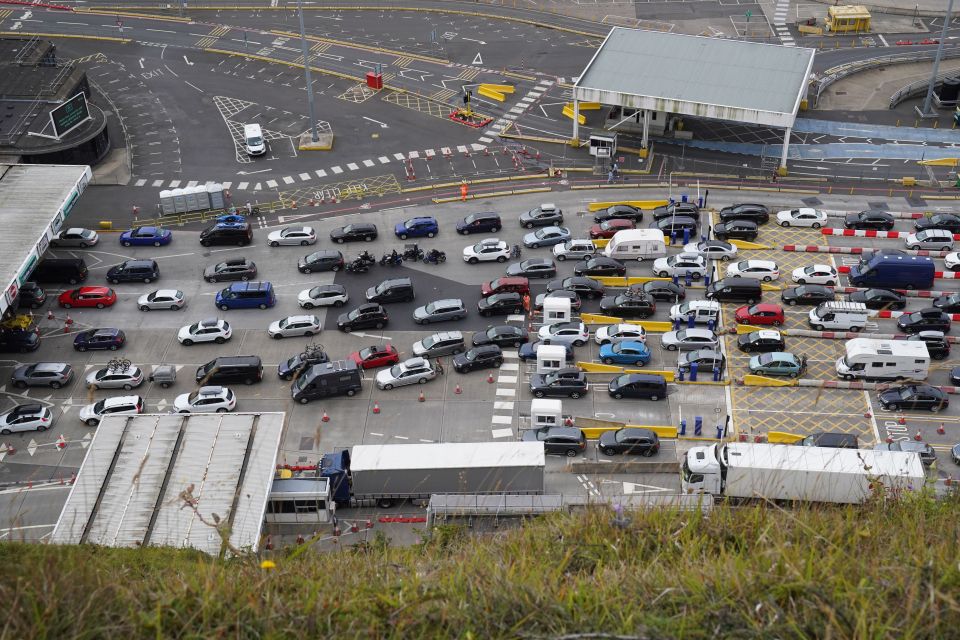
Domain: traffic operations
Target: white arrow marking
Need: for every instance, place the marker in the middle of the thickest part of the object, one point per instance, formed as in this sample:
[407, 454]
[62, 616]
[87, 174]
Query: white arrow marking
[187, 61]
[370, 335]
[250, 173]
[382, 125]
[472, 40]
[141, 63]
[16, 26]
[478, 59]
[630, 487]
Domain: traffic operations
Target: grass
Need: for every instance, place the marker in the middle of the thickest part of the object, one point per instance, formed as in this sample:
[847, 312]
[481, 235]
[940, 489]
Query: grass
[877, 571]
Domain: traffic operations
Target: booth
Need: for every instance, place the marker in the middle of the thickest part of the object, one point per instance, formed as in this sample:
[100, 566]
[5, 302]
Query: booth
[546, 412]
[556, 310]
[847, 19]
[551, 357]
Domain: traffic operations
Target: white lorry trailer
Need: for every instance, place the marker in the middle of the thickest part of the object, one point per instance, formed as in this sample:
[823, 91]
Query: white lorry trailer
[783, 472]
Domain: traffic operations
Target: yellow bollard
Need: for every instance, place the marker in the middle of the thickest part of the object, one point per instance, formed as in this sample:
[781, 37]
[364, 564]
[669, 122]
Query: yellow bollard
[916, 123]
[898, 122]
[936, 124]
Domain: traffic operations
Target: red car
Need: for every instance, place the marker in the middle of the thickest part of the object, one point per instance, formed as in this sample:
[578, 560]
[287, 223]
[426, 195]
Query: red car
[98, 297]
[607, 228]
[760, 314]
[378, 355]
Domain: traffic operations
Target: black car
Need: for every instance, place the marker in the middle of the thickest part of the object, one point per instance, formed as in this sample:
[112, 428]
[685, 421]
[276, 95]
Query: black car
[31, 296]
[584, 287]
[238, 233]
[677, 209]
[500, 304]
[486, 221]
[366, 316]
[947, 221]
[736, 230]
[758, 213]
[629, 440]
[948, 304]
[569, 382]
[807, 294]
[928, 455]
[869, 221]
[365, 231]
[937, 344]
[18, 341]
[659, 290]
[503, 335]
[560, 441]
[528, 351]
[322, 260]
[599, 266]
[233, 269]
[676, 224]
[929, 319]
[291, 367]
[641, 386]
[533, 268]
[914, 396]
[624, 306]
[482, 357]
[621, 211]
[763, 341]
[879, 299]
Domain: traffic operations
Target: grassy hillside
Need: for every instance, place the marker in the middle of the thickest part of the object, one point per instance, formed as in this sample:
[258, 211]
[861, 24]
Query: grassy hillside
[880, 571]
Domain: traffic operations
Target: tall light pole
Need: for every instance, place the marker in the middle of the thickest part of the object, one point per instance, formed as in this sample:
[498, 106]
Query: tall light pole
[306, 68]
[926, 112]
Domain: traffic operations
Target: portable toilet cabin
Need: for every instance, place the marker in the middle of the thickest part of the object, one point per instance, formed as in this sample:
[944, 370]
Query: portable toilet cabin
[546, 412]
[551, 357]
[556, 310]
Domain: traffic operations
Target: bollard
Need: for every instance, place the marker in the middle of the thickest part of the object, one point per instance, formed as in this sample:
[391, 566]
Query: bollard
[711, 323]
[687, 279]
[676, 279]
[683, 427]
[700, 202]
[716, 374]
[693, 371]
[674, 234]
[706, 280]
[703, 237]
[683, 198]
[691, 320]
[719, 432]
[676, 324]
[680, 375]
[672, 200]
[686, 236]
[698, 425]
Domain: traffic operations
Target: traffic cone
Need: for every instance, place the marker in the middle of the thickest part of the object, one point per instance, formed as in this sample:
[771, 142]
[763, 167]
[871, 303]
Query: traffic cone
[917, 436]
[421, 398]
[490, 378]
[61, 442]
[948, 481]
[50, 314]
[268, 545]
[325, 417]
[568, 422]
[376, 407]
[457, 390]
[369, 523]
[901, 420]
[337, 531]
[66, 327]
[354, 527]
[300, 539]
[941, 430]
[868, 415]
[293, 205]
[889, 440]
[68, 320]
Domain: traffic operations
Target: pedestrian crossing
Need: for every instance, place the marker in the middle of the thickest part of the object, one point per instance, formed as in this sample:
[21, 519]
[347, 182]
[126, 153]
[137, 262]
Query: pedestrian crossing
[780, 12]
[515, 110]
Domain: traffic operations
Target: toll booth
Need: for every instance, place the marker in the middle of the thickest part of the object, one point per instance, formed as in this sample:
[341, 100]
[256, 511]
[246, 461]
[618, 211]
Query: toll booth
[551, 357]
[556, 310]
[847, 19]
[546, 412]
[602, 148]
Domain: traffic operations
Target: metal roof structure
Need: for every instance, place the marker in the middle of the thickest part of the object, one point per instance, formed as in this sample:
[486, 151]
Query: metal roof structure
[455, 455]
[168, 479]
[697, 76]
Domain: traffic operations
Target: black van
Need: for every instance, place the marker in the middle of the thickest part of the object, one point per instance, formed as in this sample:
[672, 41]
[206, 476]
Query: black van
[735, 290]
[227, 369]
[134, 271]
[830, 439]
[70, 270]
[643, 386]
[337, 378]
[239, 233]
[393, 290]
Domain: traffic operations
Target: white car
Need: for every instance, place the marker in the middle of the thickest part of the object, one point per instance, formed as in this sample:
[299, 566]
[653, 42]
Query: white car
[292, 236]
[162, 299]
[765, 270]
[487, 250]
[410, 371]
[930, 239]
[572, 333]
[689, 339]
[324, 295]
[815, 274]
[125, 405]
[574, 249]
[681, 265]
[803, 217]
[952, 261]
[206, 400]
[614, 333]
[115, 378]
[209, 330]
[294, 326]
[26, 417]
[712, 249]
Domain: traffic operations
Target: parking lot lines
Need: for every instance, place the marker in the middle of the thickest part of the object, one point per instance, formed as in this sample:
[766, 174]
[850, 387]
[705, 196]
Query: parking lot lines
[358, 93]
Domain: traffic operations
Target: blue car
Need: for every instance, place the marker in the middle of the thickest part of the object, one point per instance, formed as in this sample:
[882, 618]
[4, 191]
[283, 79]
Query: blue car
[146, 237]
[231, 218]
[627, 352]
[546, 237]
[99, 339]
[420, 227]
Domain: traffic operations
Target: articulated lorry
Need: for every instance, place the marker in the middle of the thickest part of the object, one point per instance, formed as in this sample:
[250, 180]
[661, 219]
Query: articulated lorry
[782, 472]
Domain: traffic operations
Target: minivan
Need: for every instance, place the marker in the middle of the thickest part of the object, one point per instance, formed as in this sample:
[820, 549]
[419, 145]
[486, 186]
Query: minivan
[440, 344]
[486, 221]
[231, 369]
[246, 295]
[735, 290]
[238, 233]
[70, 270]
[643, 386]
[393, 290]
[134, 271]
[703, 311]
[337, 378]
[831, 440]
[253, 140]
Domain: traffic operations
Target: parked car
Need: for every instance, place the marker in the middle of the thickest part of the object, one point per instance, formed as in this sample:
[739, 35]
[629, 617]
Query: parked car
[627, 352]
[948, 304]
[618, 332]
[546, 237]
[440, 311]
[928, 455]
[503, 335]
[99, 339]
[937, 345]
[419, 227]
[599, 266]
[487, 250]
[929, 319]
[377, 355]
[561, 441]
[87, 297]
[609, 228]
[574, 333]
[292, 236]
[584, 287]
[303, 325]
[506, 284]
[358, 231]
[706, 360]
[629, 440]
[952, 261]
[172, 299]
[803, 217]
[746, 211]
[736, 230]
[764, 313]
[572, 296]
[31, 296]
[294, 365]
[624, 306]
[93, 413]
[75, 237]
[676, 225]
[690, 340]
[128, 377]
[366, 316]
[947, 221]
[231, 270]
[568, 382]
[619, 212]
[765, 270]
[914, 396]
[146, 237]
[681, 264]
[762, 341]
[712, 249]
[879, 299]
[659, 290]
[209, 330]
[777, 363]
[930, 239]
[410, 371]
[27, 417]
[213, 399]
[324, 295]
[641, 386]
[574, 249]
[815, 274]
[807, 294]
[533, 268]
[439, 344]
[528, 351]
[500, 304]
[689, 209]
[322, 260]
[482, 357]
[869, 220]
[42, 374]
[542, 216]
[487, 222]
[19, 341]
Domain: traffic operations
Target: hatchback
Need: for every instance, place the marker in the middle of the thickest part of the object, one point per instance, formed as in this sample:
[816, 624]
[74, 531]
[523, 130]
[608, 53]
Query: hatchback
[323, 260]
[482, 357]
[206, 400]
[948, 304]
[807, 294]
[325, 295]
[377, 355]
[228, 270]
[573, 333]
[542, 216]
[560, 441]
[87, 297]
[504, 335]
[626, 352]
[764, 313]
[411, 371]
[365, 316]
[172, 299]
[777, 363]
[546, 237]
[305, 325]
[364, 231]
[506, 284]
[42, 374]
[146, 237]
[659, 290]
[26, 417]
[815, 274]
[689, 339]
[609, 228]
[569, 382]
[439, 344]
[619, 332]
[440, 311]
[292, 236]
[879, 299]
[765, 270]
[419, 227]
[500, 304]
[483, 222]
[763, 341]
[125, 377]
[629, 440]
[117, 405]
[929, 319]
[599, 266]
[18, 341]
[937, 345]
[294, 365]
[31, 296]
[99, 339]
[747, 211]
[533, 268]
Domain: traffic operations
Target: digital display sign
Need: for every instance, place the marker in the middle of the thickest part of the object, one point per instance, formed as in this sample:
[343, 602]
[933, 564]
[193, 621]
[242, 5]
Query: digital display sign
[69, 115]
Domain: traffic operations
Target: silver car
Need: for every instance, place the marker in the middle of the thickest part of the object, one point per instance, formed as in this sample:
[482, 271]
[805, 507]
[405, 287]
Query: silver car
[411, 371]
[294, 326]
[172, 299]
[292, 236]
[439, 344]
[440, 310]
[42, 374]
[76, 237]
[574, 249]
[108, 377]
[689, 340]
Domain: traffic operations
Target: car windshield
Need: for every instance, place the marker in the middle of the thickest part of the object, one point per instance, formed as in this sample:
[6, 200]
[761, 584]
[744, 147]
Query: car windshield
[810, 269]
[409, 223]
[315, 292]
[905, 394]
[98, 408]
[754, 310]
[86, 233]
[366, 353]
[766, 358]
[353, 315]
[428, 342]
[543, 232]
[480, 246]
[396, 370]
[348, 229]
[194, 327]
[621, 435]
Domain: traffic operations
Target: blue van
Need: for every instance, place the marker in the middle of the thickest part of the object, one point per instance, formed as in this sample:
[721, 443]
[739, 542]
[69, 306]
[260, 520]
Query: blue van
[892, 271]
[246, 295]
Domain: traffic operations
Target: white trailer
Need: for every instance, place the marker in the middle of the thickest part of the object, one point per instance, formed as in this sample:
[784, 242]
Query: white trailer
[872, 359]
[636, 244]
[784, 472]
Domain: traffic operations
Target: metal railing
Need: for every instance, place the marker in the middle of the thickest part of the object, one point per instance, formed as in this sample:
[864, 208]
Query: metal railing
[920, 86]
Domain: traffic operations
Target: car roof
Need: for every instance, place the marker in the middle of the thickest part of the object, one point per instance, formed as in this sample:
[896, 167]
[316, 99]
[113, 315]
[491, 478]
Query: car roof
[50, 366]
[768, 334]
[305, 317]
[26, 408]
[698, 331]
[448, 335]
[639, 431]
[106, 332]
[210, 322]
[414, 363]
[115, 400]
[448, 302]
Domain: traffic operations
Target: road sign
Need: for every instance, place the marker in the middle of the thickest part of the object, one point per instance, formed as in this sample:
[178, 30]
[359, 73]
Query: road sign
[69, 115]
[749, 15]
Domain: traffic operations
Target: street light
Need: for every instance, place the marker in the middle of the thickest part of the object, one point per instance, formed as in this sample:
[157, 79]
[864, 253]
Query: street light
[925, 111]
[306, 68]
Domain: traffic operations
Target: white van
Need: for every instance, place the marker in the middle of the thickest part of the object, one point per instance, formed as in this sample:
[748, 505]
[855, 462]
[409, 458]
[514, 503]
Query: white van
[253, 139]
[636, 244]
[839, 316]
[871, 359]
[703, 311]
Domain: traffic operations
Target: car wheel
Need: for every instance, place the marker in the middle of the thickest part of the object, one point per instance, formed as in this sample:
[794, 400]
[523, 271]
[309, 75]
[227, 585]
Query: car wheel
[224, 307]
[263, 306]
[277, 336]
[776, 323]
[608, 361]
[502, 259]
[187, 343]
[68, 306]
[935, 408]
[221, 410]
[575, 395]
[485, 314]
[339, 240]
[561, 257]
[939, 356]
[204, 244]
[304, 243]
[695, 276]
[403, 236]
[126, 244]
[7, 432]
[81, 348]
[127, 387]
[854, 329]
[387, 387]
[248, 381]
[99, 305]
[528, 226]
[784, 224]
[244, 277]
[114, 281]
[647, 453]
[475, 261]
[768, 278]
[55, 385]
[571, 453]
[306, 400]
[725, 258]
[538, 394]
[662, 274]
[144, 308]
[578, 343]
[92, 422]
[498, 363]
[609, 452]
[534, 246]
[19, 384]
[346, 329]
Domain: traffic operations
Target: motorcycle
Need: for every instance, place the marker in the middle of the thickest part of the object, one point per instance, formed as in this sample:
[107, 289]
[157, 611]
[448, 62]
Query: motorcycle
[412, 252]
[515, 251]
[391, 259]
[357, 266]
[435, 256]
[367, 258]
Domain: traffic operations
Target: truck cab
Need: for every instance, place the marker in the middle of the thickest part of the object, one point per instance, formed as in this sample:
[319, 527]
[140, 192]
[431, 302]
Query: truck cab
[702, 472]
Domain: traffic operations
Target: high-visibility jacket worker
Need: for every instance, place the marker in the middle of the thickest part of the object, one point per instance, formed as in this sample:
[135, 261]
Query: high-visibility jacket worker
[463, 191]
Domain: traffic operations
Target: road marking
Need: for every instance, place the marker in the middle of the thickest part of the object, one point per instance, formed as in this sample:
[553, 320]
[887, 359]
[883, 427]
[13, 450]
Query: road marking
[272, 184]
[506, 392]
[883, 40]
[320, 173]
[287, 180]
[510, 366]
[192, 184]
[174, 184]
[304, 176]
[383, 159]
[189, 64]
[485, 139]
[399, 156]
[352, 166]
[507, 379]
[242, 186]
[195, 86]
[502, 433]
[503, 406]
[158, 183]
[502, 420]
[141, 182]
[160, 30]
[226, 185]
[368, 163]
[336, 169]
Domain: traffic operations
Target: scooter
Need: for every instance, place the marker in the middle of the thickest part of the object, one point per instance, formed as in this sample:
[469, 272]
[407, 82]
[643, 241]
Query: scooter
[412, 252]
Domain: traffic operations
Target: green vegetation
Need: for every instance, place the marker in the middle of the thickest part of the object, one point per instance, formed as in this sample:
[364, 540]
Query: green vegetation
[879, 571]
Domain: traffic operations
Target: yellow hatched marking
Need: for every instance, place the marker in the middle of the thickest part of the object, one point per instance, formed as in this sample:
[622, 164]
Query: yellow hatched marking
[357, 93]
[418, 103]
[402, 61]
[444, 95]
[349, 189]
[469, 74]
[220, 31]
[203, 43]
[4, 13]
[320, 47]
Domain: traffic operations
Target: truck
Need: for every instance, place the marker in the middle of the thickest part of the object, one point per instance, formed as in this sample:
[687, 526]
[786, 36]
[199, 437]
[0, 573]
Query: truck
[893, 271]
[384, 473]
[742, 470]
[872, 359]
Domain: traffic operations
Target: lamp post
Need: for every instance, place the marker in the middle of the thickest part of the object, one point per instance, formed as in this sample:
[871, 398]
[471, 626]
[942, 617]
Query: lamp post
[306, 68]
[925, 111]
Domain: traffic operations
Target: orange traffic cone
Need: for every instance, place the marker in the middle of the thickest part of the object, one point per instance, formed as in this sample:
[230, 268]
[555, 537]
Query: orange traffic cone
[941, 430]
[61, 442]
[325, 417]
[457, 390]
[421, 398]
[376, 407]
[490, 378]
[917, 436]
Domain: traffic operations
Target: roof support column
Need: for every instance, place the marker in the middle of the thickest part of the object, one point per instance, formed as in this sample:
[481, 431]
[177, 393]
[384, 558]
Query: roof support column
[576, 121]
[646, 129]
[783, 154]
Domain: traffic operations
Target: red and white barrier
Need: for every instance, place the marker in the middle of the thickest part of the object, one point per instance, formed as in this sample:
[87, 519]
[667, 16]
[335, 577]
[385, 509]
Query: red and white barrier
[910, 293]
[848, 335]
[896, 314]
[860, 386]
[861, 233]
[939, 275]
[900, 215]
[813, 248]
